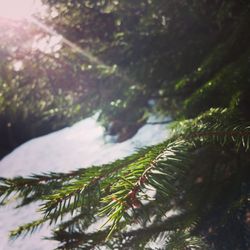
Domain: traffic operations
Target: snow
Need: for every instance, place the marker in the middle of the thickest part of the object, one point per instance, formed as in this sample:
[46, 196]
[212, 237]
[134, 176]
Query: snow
[81, 145]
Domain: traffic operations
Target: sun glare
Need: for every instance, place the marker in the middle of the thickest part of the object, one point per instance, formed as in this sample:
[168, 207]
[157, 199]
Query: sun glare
[19, 9]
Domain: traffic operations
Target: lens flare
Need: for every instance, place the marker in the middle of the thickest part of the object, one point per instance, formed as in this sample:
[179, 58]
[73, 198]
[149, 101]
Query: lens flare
[19, 9]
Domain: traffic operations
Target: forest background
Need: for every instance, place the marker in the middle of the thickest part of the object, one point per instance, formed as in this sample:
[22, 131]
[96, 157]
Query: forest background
[125, 61]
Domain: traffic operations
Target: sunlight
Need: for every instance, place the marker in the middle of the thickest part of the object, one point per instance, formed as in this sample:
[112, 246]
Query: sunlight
[19, 9]
[48, 44]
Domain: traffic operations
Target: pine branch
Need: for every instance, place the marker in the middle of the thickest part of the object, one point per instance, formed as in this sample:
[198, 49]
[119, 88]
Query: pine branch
[66, 198]
[36, 186]
[125, 193]
[215, 126]
[119, 190]
[26, 229]
[156, 170]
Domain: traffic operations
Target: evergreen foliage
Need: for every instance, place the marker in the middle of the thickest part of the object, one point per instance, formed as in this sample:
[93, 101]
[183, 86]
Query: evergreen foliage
[191, 60]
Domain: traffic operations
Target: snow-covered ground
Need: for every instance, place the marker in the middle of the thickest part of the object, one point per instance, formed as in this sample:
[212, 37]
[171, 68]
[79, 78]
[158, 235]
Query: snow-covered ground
[81, 145]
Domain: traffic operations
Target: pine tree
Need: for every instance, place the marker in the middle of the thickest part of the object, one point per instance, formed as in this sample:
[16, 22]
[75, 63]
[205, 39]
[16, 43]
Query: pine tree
[189, 192]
